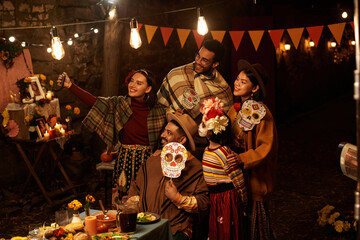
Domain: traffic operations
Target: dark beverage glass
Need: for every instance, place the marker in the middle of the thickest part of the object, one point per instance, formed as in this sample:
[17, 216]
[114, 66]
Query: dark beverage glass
[128, 222]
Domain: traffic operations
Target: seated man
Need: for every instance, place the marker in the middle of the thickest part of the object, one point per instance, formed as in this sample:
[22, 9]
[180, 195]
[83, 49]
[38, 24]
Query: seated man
[176, 199]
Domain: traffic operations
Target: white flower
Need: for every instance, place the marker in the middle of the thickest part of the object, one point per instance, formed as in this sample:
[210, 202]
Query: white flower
[217, 124]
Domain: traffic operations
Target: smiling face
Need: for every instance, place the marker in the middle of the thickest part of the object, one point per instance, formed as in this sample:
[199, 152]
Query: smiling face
[171, 134]
[138, 86]
[243, 87]
[204, 61]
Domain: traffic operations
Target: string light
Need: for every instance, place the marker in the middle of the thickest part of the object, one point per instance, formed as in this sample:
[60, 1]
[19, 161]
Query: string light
[202, 28]
[333, 44]
[135, 40]
[70, 42]
[76, 35]
[57, 50]
[112, 13]
[48, 49]
[23, 44]
[96, 30]
[12, 39]
[353, 43]
[344, 15]
[287, 47]
[311, 44]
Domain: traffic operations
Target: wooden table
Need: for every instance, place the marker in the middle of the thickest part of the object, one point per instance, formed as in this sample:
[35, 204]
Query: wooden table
[39, 148]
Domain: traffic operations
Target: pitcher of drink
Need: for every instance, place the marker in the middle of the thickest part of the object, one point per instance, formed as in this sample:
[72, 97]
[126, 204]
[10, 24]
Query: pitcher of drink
[127, 215]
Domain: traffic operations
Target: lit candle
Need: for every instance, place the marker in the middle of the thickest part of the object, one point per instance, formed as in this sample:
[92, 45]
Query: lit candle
[46, 135]
[90, 224]
[62, 131]
[49, 95]
[57, 126]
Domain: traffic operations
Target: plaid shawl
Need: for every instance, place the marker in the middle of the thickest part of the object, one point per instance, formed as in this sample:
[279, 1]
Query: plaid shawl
[108, 116]
[178, 79]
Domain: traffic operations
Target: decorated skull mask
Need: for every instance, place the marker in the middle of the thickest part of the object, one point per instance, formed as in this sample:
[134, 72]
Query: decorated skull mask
[190, 98]
[250, 114]
[173, 158]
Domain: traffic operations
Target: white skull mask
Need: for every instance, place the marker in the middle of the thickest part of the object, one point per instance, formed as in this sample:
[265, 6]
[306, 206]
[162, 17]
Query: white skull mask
[190, 98]
[250, 114]
[173, 158]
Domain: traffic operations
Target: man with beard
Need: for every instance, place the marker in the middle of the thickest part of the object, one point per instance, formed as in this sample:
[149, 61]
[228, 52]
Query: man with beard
[177, 199]
[185, 87]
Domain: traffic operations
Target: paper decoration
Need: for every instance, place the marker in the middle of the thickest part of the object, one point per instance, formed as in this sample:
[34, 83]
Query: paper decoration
[198, 38]
[352, 24]
[295, 35]
[183, 35]
[256, 37]
[150, 31]
[276, 36]
[250, 115]
[173, 158]
[315, 33]
[13, 128]
[236, 37]
[166, 33]
[337, 31]
[218, 35]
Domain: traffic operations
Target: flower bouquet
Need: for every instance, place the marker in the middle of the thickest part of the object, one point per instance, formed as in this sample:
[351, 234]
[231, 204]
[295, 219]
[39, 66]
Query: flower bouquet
[337, 222]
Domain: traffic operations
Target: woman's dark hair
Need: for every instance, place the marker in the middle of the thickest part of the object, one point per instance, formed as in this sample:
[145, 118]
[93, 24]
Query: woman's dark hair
[151, 98]
[258, 95]
[223, 137]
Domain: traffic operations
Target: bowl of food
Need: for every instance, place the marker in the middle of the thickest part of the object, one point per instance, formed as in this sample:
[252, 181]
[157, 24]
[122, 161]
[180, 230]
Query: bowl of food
[110, 222]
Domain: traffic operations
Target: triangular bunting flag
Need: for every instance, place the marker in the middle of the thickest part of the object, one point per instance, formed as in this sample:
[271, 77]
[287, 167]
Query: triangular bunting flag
[236, 37]
[166, 32]
[337, 31]
[139, 26]
[183, 35]
[198, 38]
[256, 37]
[218, 35]
[315, 33]
[295, 35]
[352, 24]
[276, 36]
[150, 31]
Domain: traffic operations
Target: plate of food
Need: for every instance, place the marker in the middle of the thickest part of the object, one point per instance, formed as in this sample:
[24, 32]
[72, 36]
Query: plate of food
[147, 217]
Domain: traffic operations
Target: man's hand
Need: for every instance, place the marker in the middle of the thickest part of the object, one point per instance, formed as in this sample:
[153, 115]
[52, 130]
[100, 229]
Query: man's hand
[233, 159]
[67, 82]
[170, 190]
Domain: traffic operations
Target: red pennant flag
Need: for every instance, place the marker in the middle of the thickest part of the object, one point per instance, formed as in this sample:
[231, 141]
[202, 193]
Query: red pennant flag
[198, 38]
[139, 26]
[236, 37]
[315, 33]
[276, 36]
[352, 24]
[166, 32]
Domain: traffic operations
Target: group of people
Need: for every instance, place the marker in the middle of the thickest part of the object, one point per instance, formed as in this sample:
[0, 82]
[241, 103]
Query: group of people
[222, 193]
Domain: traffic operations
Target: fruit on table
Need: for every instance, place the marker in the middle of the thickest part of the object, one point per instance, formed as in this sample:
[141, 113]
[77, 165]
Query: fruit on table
[101, 228]
[105, 157]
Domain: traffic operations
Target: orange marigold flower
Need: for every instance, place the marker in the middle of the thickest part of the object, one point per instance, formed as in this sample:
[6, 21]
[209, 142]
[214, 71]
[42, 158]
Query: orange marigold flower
[51, 82]
[27, 80]
[42, 77]
[68, 107]
[4, 55]
[77, 110]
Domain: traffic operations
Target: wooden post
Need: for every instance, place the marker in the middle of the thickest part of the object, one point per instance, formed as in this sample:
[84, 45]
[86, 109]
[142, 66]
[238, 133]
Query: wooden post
[114, 37]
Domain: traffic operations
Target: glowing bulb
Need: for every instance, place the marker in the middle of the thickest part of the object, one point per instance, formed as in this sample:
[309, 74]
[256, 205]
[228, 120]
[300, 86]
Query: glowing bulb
[344, 15]
[96, 30]
[311, 44]
[287, 47]
[202, 28]
[57, 50]
[12, 39]
[70, 42]
[48, 49]
[333, 44]
[23, 44]
[353, 42]
[135, 40]
[112, 13]
[76, 35]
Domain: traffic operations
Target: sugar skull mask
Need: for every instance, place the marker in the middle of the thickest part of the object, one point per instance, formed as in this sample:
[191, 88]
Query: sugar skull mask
[190, 98]
[250, 114]
[173, 158]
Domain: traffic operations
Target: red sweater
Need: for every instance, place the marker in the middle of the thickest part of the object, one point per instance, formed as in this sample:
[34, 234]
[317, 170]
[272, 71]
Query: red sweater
[135, 130]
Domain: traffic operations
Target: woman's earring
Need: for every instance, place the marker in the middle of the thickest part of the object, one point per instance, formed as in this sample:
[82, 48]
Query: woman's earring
[252, 95]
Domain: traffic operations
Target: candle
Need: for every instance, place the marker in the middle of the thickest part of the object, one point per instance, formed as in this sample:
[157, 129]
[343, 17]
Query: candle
[90, 224]
[57, 126]
[46, 135]
[62, 131]
[49, 95]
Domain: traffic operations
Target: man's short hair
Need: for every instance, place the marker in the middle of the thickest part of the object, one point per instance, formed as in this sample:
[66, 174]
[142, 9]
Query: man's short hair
[216, 47]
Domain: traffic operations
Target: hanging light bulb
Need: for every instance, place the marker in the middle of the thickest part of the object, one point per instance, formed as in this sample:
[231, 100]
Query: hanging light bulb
[57, 50]
[135, 40]
[70, 42]
[23, 44]
[12, 39]
[112, 13]
[76, 35]
[202, 28]
[48, 49]
[96, 30]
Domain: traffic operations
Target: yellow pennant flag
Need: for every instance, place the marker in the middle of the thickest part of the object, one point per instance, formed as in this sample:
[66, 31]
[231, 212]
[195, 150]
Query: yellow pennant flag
[218, 35]
[150, 31]
[183, 35]
[337, 31]
[256, 37]
[295, 35]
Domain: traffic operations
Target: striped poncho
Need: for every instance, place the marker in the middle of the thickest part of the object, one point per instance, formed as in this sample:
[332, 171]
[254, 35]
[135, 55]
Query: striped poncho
[216, 170]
